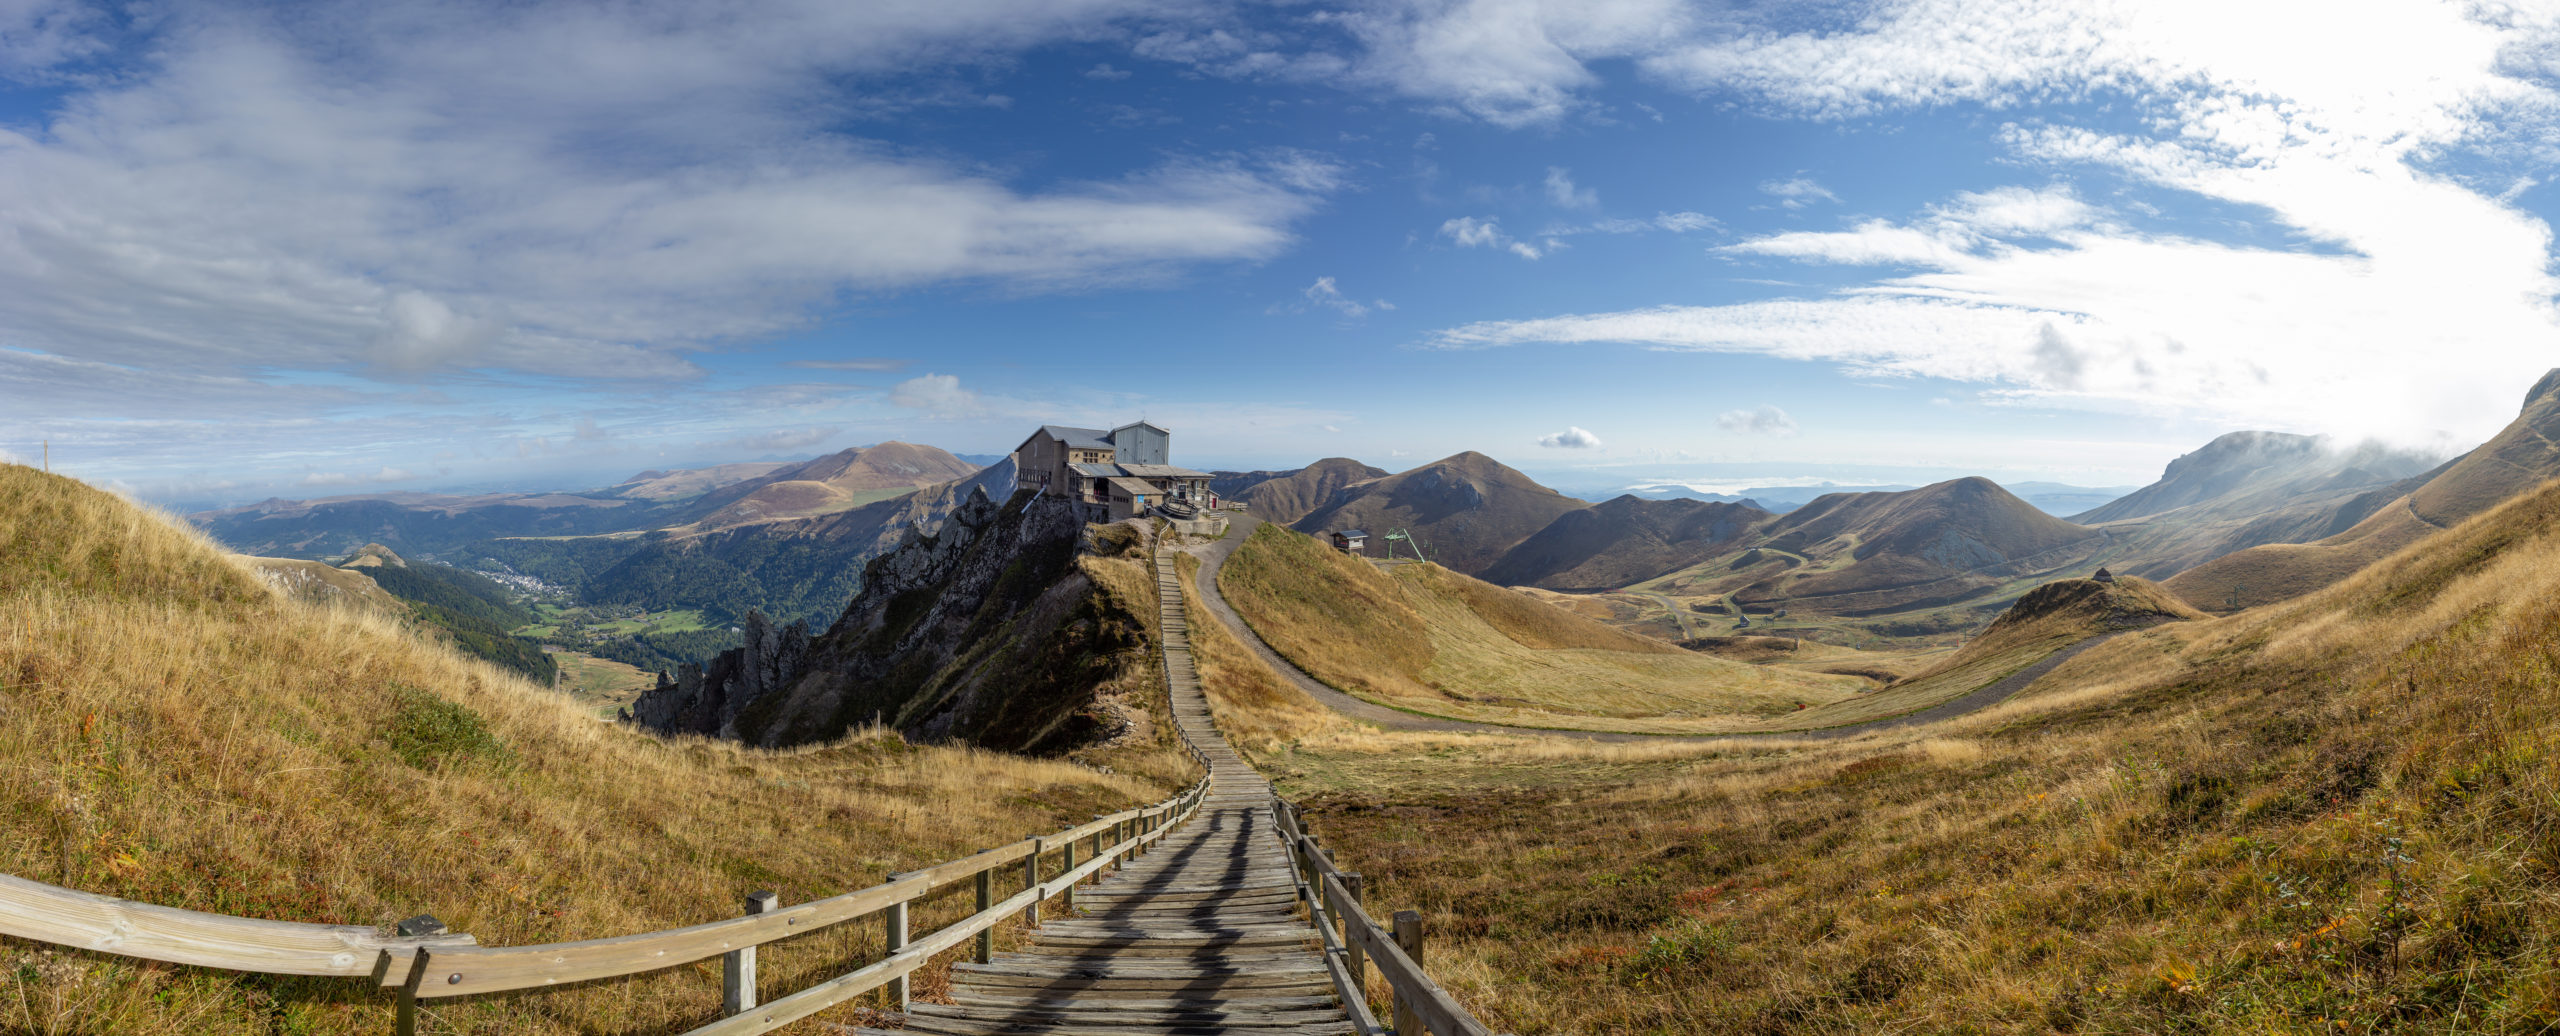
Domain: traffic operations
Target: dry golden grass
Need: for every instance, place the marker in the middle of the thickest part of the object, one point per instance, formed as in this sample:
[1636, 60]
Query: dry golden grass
[601, 686]
[2339, 815]
[173, 732]
[1421, 638]
[1259, 712]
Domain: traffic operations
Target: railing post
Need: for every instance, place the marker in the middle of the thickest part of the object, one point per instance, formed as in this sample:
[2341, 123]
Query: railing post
[1359, 962]
[405, 1019]
[895, 919]
[738, 966]
[986, 898]
[1409, 936]
[1067, 865]
[1031, 882]
[405, 1016]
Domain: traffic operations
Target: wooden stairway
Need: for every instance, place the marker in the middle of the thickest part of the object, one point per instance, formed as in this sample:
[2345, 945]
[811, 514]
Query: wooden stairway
[1201, 935]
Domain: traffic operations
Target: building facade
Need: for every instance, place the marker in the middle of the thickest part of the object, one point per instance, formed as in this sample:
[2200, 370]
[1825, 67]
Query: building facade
[1128, 469]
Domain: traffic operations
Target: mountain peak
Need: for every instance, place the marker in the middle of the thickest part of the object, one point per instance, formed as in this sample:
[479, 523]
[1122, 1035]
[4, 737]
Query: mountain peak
[2547, 388]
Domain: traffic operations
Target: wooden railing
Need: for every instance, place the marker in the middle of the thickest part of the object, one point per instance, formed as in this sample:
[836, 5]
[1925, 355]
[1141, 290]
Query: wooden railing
[1353, 940]
[423, 963]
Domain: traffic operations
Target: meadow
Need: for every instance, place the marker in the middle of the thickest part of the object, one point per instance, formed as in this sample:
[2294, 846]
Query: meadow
[2336, 815]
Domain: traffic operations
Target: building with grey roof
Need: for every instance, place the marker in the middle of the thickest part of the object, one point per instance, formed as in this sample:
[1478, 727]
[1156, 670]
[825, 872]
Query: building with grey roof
[1126, 469]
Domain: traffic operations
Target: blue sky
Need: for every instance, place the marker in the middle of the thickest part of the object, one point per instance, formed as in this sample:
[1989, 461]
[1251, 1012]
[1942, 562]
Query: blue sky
[251, 251]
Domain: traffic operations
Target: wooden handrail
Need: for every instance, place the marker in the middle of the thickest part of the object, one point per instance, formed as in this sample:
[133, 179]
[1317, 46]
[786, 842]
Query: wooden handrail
[451, 965]
[1330, 901]
[67, 917]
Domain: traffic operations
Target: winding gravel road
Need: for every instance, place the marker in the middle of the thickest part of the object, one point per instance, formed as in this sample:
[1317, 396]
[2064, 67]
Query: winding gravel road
[1213, 557]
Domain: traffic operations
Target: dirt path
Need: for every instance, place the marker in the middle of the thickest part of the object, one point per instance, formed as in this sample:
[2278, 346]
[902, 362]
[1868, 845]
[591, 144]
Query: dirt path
[1678, 618]
[1213, 557]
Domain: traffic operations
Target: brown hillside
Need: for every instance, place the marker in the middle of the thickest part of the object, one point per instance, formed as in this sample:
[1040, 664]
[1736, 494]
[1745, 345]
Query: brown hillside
[1623, 541]
[1425, 639]
[1880, 552]
[836, 482]
[176, 733]
[1286, 496]
[1466, 509]
[690, 482]
[2520, 457]
[2336, 814]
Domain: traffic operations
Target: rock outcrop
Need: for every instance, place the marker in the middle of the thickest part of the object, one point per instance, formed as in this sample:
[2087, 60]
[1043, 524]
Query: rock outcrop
[993, 630]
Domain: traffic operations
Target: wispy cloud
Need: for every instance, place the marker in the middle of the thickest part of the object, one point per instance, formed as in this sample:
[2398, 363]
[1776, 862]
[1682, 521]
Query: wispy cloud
[1765, 420]
[937, 394]
[1561, 190]
[1470, 232]
[1797, 192]
[1326, 294]
[2382, 264]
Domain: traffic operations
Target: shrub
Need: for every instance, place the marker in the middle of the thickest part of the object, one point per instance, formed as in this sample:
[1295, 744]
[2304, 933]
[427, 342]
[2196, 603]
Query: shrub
[426, 731]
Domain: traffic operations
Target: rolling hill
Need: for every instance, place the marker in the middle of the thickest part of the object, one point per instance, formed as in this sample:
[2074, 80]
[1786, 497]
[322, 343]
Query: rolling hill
[2520, 457]
[1467, 509]
[1286, 496]
[1870, 554]
[1622, 541]
[687, 483]
[793, 569]
[836, 482]
[1425, 639]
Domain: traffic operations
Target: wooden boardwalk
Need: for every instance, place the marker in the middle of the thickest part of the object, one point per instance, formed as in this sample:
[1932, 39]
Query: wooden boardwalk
[1203, 934]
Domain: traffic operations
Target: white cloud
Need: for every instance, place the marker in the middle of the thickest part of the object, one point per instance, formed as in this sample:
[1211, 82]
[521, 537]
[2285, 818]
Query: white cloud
[936, 394]
[1324, 293]
[36, 36]
[550, 189]
[1572, 438]
[1470, 232]
[1870, 243]
[1561, 190]
[2019, 210]
[1508, 62]
[1673, 222]
[2394, 300]
[1106, 72]
[1766, 420]
[1797, 193]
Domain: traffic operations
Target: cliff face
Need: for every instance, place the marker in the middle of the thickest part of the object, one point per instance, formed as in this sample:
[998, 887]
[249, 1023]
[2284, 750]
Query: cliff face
[1004, 629]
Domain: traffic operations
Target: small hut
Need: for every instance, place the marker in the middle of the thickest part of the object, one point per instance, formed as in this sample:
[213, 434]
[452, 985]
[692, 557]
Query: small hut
[1351, 541]
[2104, 576]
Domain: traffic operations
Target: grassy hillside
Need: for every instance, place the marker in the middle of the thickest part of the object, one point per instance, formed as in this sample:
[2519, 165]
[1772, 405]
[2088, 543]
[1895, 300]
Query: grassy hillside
[2339, 814]
[173, 731]
[1285, 497]
[2047, 619]
[471, 610]
[1622, 541]
[1467, 509]
[1423, 638]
